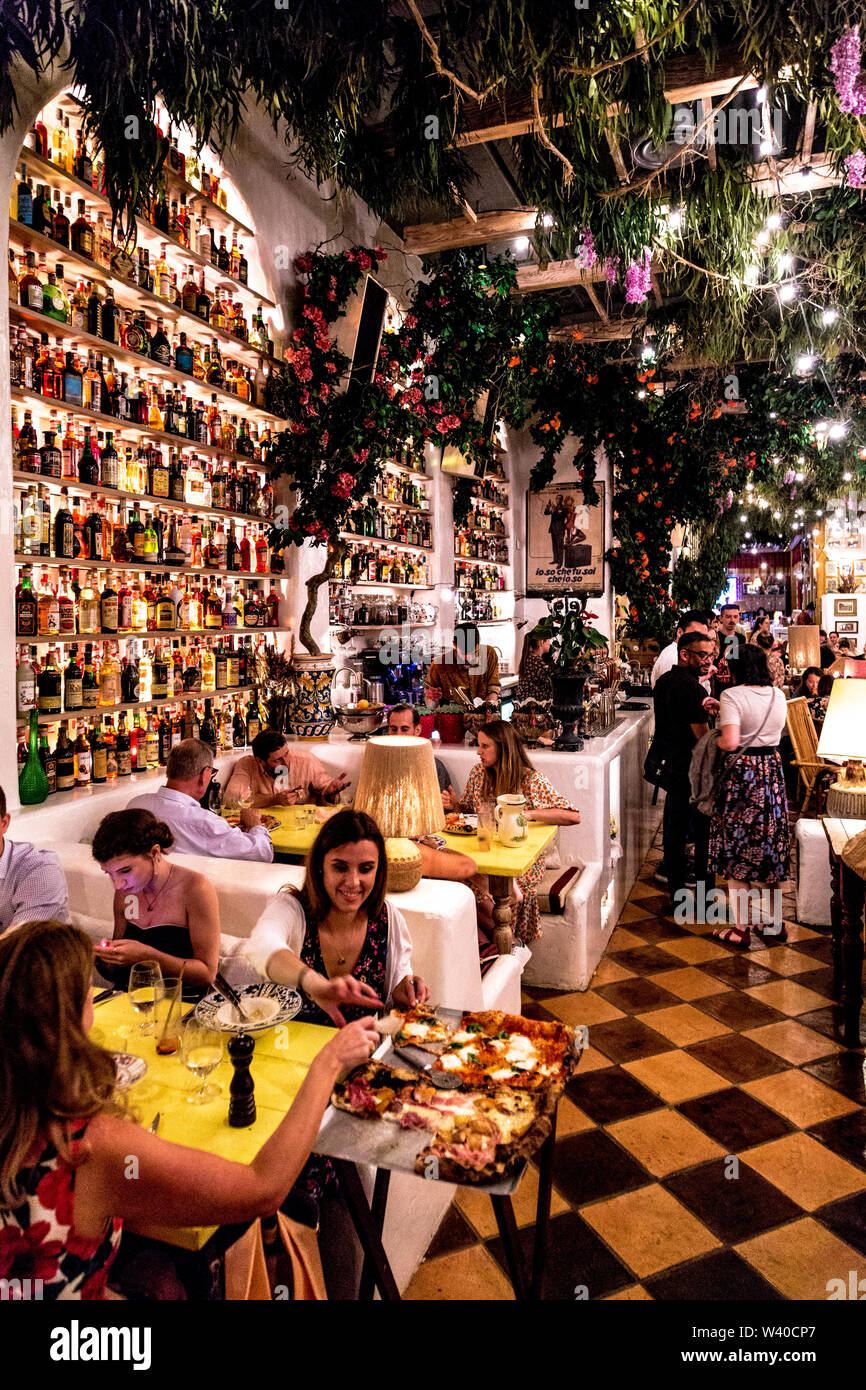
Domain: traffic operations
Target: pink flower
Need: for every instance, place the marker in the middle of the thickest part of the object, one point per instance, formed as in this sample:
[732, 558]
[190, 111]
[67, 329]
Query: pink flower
[855, 167]
[297, 428]
[332, 297]
[586, 257]
[330, 366]
[342, 486]
[638, 280]
[850, 80]
[411, 321]
[442, 427]
[360, 456]
[413, 395]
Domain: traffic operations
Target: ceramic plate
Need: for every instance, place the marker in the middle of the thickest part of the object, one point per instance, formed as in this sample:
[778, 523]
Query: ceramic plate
[129, 1067]
[215, 1012]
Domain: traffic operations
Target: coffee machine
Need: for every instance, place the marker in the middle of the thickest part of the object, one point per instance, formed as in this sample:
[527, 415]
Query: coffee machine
[395, 683]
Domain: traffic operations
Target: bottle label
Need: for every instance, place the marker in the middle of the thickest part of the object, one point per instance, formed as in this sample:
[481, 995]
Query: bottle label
[253, 728]
[65, 776]
[221, 675]
[162, 353]
[124, 762]
[84, 764]
[152, 750]
[90, 697]
[109, 690]
[100, 764]
[27, 617]
[67, 616]
[124, 610]
[110, 765]
[50, 703]
[160, 689]
[109, 613]
[165, 615]
[26, 695]
[74, 693]
[232, 671]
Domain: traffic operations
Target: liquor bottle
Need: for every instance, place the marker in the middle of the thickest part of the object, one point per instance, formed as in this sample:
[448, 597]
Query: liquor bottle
[49, 684]
[108, 462]
[109, 678]
[89, 681]
[130, 677]
[208, 732]
[139, 609]
[159, 676]
[49, 763]
[30, 286]
[208, 670]
[51, 459]
[47, 611]
[89, 613]
[151, 742]
[66, 604]
[239, 732]
[65, 760]
[135, 535]
[203, 301]
[25, 683]
[32, 781]
[123, 748]
[108, 608]
[183, 354]
[83, 758]
[81, 232]
[165, 608]
[158, 480]
[73, 690]
[55, 305]
[222, 667]
[98, 755]
[62, 224]
[160, 347]
[254, 722]
[272, 607]
[88, 467]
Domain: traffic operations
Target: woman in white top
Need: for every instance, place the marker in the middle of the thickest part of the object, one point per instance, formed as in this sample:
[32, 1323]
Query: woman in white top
[336, 939]
[749, 839]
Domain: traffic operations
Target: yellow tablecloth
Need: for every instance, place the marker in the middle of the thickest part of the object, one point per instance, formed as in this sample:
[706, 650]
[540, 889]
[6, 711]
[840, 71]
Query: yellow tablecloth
[501, 861]
[280, 1061]
[285, 837]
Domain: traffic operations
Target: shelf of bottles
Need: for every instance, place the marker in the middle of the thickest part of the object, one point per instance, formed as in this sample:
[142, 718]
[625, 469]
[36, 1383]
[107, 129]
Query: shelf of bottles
[389, 535]
[480, 608]
[97, 745]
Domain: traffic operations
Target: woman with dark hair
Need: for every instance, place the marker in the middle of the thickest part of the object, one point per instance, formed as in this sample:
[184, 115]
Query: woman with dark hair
[162, 912]
[503, 767]
[810, 691]
[336, 939]
[749, 838]
[66, 1138]
[775, 665]
[534, 677]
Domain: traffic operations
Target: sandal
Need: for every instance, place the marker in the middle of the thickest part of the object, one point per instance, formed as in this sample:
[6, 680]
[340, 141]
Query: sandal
[733, 936]
[772, 933]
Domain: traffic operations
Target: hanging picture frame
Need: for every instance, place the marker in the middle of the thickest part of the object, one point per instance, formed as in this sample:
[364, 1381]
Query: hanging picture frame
[564, 541]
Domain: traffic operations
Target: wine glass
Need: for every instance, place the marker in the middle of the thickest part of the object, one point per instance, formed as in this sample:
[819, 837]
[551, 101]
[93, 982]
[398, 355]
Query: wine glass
[144, 977]
[201, 1050]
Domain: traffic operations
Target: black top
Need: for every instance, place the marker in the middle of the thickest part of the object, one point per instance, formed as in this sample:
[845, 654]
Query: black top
[678, 702]
[172, 941]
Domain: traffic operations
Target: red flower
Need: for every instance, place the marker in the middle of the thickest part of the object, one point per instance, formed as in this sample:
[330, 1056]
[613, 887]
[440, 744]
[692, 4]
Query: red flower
[55, 1192]
[411, 321]
[303, 264]
[442, 427]
[380, 254]
[28, 1253]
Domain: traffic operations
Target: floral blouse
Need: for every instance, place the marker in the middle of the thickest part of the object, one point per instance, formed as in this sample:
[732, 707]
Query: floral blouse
[539, 793]
[370, 969]
[38, 1240]
[535, 683]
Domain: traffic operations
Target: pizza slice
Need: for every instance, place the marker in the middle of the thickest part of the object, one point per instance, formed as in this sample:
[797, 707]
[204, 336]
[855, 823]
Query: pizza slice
[495, 1048]
[421, 1027]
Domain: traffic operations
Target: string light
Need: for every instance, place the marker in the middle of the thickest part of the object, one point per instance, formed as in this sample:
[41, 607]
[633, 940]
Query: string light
[839, 430]
[846, 477]
[804, 363]
[521, 245]
[788, 292]
[773, 222]
[829, 316]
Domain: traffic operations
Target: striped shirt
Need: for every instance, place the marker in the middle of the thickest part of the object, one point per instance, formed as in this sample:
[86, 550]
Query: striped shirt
[32, 886]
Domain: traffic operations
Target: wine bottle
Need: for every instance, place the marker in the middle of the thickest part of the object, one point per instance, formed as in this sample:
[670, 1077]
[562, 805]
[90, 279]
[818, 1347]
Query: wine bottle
[33, 782]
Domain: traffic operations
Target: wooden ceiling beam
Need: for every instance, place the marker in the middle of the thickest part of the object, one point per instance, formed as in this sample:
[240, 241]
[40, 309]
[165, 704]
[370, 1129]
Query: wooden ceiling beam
[426, 237]
[596, 303]
[557, 275]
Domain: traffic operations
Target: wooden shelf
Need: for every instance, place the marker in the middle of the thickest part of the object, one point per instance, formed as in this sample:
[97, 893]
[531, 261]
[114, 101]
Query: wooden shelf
[386, 545]
[47, 562]
[412, 472]
[139, 500]
[473, 560]
[84, 639]
[120, 427]
[400, 506]
[97, 713]
[383, 584]
[486, 502]
[143, 365]
[132, 296]
[463, 589]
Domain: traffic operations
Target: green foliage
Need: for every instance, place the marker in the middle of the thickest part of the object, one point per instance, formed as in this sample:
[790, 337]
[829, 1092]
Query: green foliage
[572, 639]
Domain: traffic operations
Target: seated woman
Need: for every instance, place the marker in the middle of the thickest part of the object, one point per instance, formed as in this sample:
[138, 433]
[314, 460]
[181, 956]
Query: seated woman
[336, 939]
[503, 767]
[66, 1137]
[534, 676]
[162, 912]
[810, 687]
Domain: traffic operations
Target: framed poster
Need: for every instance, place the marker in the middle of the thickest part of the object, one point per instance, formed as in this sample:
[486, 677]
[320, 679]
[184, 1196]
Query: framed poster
[564, 541]
[844, 608]
[847, 629]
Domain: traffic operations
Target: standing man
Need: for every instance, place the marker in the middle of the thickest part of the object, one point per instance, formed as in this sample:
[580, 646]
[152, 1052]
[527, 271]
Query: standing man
[558, 521]
[470, 666]
[680, 720]
[695, 620]
[730, 635]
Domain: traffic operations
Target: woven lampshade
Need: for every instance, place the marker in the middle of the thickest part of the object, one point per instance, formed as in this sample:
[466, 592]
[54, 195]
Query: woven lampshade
[399, 789]
[804, 647]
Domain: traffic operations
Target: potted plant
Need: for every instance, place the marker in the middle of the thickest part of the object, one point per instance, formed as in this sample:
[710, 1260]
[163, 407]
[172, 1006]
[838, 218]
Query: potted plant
[448, 722]
[572, 644]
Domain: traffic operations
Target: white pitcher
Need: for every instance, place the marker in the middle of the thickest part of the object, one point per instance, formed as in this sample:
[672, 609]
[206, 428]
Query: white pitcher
[511, 823]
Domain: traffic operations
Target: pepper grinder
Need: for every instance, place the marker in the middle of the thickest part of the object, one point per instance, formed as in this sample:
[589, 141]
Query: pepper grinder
[242, 1105]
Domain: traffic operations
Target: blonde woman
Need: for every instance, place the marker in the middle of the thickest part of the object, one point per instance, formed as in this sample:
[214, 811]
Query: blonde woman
[66, 1140]
[503, 767]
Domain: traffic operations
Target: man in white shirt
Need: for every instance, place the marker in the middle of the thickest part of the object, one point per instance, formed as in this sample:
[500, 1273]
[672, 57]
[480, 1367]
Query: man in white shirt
[695, 620]
[196, 831]
[32, 883]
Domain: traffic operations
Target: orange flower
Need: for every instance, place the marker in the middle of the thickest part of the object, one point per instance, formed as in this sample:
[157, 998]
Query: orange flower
[515, 361]
[576, 333]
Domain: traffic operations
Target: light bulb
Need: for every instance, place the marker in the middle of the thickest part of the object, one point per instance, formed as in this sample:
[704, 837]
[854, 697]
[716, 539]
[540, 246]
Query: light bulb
[547, 220]
[786, 260]
[799, 477]
[640, 395]
[751, 274]
[838, 431]
[743, 516]
[804, 363]
[788, 292]
[773, 222]
[846, 477]
[829, 316]
[521, 245]
[766, 147]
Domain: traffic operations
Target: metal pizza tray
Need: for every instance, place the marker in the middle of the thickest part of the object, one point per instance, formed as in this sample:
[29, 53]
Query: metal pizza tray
[386, 1145]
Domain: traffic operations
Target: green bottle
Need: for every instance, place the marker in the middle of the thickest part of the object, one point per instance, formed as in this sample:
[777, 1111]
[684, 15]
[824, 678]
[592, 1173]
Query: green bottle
[33, 782]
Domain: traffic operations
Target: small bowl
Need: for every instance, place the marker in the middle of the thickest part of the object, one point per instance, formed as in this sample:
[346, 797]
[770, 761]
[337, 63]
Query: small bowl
[360, 721]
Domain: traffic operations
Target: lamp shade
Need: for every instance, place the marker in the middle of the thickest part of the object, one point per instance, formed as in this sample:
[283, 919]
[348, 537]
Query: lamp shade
[843, 734]
[398, 787]
[804, 647]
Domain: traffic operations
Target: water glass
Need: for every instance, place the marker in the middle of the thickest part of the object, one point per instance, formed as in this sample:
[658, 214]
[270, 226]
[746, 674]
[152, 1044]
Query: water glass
[202, 1052]
[486, 824]
[144, 979]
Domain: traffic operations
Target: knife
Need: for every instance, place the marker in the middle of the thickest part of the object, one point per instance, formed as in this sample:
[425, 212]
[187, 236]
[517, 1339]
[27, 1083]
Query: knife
[105, 994]
[423, 1062]
[231, 994]
[154, 1124]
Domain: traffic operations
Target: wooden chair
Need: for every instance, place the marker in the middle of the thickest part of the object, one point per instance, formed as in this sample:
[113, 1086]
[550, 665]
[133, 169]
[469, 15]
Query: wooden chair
[804, 741]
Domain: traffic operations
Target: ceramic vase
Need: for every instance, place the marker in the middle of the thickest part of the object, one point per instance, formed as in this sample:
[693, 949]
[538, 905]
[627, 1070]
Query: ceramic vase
[309, 714]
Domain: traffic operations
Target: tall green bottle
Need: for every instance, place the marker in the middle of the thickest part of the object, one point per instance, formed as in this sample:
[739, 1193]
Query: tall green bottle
[33, 783]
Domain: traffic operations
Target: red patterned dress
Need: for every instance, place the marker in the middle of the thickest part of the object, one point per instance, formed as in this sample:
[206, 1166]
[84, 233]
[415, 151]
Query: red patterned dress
[540, 795]
[39, 1243]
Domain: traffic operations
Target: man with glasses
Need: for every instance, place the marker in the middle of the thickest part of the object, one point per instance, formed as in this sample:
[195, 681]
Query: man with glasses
[680, 720]
[189, 771]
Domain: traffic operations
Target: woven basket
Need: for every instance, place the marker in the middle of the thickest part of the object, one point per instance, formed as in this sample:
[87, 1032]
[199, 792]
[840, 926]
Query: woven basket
[403, 873]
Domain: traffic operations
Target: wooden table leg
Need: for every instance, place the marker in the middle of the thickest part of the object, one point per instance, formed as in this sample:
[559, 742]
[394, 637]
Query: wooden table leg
[370, 1237]
[504, 1212]
[500, 891]
[853, 894]
[542, 1212]
[377, 1211]
[836, 922]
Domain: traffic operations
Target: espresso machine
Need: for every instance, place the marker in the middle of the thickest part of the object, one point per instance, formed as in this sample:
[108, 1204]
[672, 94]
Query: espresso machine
[389, 682]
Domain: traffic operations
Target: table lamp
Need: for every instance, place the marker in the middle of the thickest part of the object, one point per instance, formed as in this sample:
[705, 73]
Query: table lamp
[399, 789]
[804, 648]
[843, 735]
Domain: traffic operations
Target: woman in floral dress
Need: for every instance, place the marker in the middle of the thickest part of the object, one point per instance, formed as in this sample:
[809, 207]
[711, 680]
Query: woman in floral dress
[66, 1139]
[534, 682]
[503, 768]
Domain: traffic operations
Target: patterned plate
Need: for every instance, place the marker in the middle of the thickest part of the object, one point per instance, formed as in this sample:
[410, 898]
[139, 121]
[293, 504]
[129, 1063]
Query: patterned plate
[213, 1009]
[129, 1067]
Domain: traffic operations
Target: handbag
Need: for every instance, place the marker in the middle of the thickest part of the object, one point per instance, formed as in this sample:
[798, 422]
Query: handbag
[246, 1269]
[658, 770]
[721, 777]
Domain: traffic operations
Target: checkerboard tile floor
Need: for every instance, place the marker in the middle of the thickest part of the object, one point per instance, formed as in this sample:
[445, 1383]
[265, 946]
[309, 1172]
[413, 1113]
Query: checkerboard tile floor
[704, 1063]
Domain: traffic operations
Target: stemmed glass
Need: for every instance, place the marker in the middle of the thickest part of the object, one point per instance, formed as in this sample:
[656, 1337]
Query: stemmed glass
[144, 978]
[202, 1051]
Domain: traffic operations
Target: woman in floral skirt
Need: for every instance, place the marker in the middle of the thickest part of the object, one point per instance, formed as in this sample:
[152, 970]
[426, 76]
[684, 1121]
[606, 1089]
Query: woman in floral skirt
[749, 838]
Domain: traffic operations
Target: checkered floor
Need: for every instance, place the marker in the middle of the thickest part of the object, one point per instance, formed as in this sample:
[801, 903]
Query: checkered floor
[699, 1055]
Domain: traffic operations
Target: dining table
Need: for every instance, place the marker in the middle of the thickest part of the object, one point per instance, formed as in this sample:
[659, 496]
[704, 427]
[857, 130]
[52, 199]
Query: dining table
[295, 833]
[503, 864]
